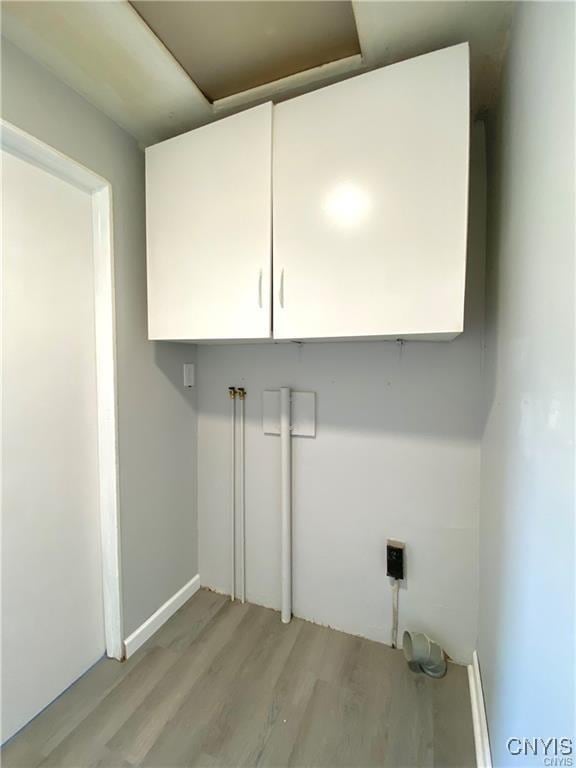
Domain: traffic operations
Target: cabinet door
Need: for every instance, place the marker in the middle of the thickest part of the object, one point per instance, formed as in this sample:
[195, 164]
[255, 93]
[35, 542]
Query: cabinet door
[370, 190]
[208, 208]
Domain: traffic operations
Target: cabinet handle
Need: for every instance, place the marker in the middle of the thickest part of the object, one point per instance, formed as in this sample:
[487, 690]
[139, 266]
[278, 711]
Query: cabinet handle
[260, 289]
[281, 291]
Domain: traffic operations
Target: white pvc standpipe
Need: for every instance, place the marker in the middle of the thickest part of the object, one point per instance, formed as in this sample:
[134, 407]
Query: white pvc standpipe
[241, 498]
[233, 499]
[286, 503]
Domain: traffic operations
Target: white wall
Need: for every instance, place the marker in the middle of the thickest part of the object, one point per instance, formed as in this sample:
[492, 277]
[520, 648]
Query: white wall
[526, 628]
[157, 420]
[396, 455]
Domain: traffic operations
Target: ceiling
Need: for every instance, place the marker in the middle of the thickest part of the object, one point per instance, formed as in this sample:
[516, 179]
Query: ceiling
[160, 67]
[230, 47]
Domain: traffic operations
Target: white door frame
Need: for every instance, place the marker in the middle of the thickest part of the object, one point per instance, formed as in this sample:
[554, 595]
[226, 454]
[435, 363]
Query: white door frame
[23, 145]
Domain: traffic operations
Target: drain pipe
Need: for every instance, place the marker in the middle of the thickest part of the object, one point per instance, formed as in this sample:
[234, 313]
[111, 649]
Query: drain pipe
[232, 394]
[286, 502]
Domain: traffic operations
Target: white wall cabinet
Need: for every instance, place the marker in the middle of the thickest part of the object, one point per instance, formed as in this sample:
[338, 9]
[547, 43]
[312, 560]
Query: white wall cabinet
[369, 198]
[208, 210]
[370, 203]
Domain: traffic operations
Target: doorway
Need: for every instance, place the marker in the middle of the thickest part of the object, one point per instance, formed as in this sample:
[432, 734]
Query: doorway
[61, 608]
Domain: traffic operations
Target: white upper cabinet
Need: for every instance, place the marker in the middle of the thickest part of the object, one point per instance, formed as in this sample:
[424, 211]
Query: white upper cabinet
[367, 181]
[370, 195]
[208, 208]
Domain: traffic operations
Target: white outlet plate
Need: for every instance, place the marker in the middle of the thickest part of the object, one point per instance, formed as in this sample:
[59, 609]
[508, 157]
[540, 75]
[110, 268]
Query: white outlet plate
[189, 375]
[303, 413]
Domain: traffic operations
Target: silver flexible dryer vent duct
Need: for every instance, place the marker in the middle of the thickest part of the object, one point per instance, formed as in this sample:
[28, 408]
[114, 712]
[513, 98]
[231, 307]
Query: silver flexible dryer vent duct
[423, 654]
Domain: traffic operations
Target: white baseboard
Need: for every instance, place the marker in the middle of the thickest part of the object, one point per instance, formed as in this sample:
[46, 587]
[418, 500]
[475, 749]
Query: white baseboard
[481, 740]
[153, 624]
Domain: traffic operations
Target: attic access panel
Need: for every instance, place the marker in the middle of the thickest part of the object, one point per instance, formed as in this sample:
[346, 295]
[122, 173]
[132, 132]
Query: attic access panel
[230, 47]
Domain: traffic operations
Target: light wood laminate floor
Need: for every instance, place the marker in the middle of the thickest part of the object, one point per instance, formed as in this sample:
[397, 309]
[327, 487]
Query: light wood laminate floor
[225, 684]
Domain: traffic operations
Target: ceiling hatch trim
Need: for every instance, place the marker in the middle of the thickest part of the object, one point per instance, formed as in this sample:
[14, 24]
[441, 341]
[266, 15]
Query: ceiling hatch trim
[229, 47]
[106, 52]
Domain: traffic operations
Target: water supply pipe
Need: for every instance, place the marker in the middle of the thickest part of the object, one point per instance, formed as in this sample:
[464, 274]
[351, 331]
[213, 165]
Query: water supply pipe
[241, 494]
[286, 502]
[232, 394]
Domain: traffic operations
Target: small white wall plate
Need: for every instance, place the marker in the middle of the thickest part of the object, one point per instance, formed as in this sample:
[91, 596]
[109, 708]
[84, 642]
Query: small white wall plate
[303, 413]
[188, 374]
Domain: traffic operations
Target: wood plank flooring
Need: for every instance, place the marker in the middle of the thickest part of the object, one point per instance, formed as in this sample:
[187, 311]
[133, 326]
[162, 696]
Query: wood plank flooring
[225, 684]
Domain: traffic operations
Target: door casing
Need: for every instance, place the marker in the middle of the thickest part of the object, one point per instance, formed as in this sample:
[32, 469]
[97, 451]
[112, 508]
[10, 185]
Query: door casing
[27, 147]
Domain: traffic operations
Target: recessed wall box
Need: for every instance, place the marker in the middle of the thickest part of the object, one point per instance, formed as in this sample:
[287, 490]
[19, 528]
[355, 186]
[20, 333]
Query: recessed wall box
[395, 559]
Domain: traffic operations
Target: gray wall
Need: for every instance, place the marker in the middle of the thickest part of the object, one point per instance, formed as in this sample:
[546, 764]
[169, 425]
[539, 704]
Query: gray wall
[397, 454]
[526, 635]
[157, 418]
